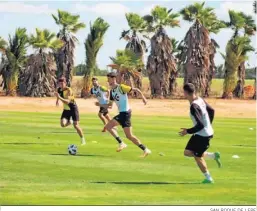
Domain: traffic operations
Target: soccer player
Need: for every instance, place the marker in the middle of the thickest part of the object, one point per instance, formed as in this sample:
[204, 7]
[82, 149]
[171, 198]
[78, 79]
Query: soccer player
[202, 116]
[70, 108]
[118, 94]
[102, 95]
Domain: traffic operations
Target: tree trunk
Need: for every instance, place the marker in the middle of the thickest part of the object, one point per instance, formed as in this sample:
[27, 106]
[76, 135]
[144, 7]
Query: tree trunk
[212, 52]
[239, 89]
[65, 60]
[135, 46]
[38, 79]
[11, 83]
[197, 58]
[254, 96]
[161, 66]
[87, 84]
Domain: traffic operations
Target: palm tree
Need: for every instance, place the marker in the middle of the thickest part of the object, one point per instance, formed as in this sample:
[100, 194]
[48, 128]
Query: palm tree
[127, 64]
[93, 44]
[161, 64]
[240, 22]
[236, 51]
[65, 56]
[2, 45]
[198, 48]
[39, 79]
[255, 7]
[13, 60]
[134, 37]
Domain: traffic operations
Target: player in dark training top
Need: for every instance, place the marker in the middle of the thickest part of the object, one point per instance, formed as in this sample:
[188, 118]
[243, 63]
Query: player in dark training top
[70, 108]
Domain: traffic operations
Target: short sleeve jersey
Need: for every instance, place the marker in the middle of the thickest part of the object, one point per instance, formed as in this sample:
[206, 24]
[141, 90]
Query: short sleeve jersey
[120, 97]
[101, 94]
[67, 94]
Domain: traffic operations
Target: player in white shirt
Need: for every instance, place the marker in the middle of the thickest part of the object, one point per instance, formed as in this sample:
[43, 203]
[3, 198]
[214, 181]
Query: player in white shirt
[118, 94]
[102, 94]
[202, 116]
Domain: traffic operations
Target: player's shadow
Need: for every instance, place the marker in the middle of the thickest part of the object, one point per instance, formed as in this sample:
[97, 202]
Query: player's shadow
[82, 155]
[147, 183]
[22, 143]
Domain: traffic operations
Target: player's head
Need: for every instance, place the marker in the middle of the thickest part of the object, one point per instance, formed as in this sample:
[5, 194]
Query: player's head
[189, 90]
[111, 77]
[95, 82]
[62, 82]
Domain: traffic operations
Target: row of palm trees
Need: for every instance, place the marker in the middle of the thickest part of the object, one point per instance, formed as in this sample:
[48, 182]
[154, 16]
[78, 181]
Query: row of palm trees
[194, 55]
[35, 75]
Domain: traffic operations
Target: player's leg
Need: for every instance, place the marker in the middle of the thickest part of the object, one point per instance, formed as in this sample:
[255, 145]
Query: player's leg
[203, 167]
[196, 147]
[75, 118]
[215, 156]
[108, 119]
[109, 127]
[136, 141]
[101, 116]
[65, 118]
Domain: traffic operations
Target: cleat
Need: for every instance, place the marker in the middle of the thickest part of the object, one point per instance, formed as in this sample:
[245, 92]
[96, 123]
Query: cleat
[121, 147]
[83, 142]
[206, 181]
[217, 159]
[146, 153]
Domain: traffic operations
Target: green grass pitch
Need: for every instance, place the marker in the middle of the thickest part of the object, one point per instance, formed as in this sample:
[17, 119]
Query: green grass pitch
[37, 170]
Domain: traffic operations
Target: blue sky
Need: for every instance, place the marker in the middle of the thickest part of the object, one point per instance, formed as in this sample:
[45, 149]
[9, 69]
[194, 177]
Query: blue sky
[32, 14]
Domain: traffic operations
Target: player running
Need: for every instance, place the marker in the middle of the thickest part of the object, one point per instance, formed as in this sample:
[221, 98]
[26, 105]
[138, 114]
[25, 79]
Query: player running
[202, 116]
[70, 108]
[118, 94]
[102, 95]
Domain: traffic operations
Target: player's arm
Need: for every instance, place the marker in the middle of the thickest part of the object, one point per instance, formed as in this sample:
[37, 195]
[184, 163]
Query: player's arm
[65, 101]
[210, 111]
[142, 95]
[57, 101]
[110, 104]
[197, 114]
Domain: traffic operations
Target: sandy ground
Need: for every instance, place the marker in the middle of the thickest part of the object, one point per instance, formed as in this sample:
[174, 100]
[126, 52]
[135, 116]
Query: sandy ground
[223, 108]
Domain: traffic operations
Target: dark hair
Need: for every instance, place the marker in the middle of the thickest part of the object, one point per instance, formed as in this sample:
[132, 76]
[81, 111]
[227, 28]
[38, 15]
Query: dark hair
[62, 79]
[189, 88]
[95, 78]
[112, 75]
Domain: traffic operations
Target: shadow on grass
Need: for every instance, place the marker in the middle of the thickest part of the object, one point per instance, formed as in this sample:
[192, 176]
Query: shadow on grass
[86, 155]
[241, 145]
[147, 183]
[22, 143]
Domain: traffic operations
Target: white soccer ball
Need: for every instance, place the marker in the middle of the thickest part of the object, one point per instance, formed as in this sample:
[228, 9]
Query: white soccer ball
[72, 149]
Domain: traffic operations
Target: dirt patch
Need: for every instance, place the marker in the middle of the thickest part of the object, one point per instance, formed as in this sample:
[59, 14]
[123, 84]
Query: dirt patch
[223, 108]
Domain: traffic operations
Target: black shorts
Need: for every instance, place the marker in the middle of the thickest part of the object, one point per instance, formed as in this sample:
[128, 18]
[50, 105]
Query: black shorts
[198, 144]
[72, 113]
[103, 110]
[124, 119]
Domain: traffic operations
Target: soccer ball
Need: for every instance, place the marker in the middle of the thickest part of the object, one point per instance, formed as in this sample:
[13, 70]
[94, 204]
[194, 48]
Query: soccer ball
[72, 149]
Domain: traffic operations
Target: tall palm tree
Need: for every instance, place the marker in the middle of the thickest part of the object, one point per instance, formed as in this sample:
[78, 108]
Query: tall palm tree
[13, 60]
[39, 79]
[161, 64]
[198, 48]
[69, 25]
[93, 44]
[236, 53]
[134, 37]
[127, 64]
[255, 7]
[245, 23]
